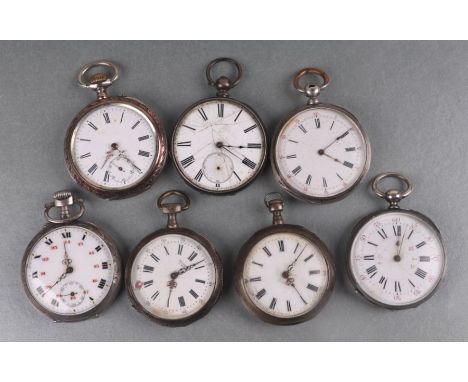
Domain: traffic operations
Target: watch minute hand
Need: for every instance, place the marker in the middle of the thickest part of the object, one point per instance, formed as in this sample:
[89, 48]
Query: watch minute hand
[337, 139]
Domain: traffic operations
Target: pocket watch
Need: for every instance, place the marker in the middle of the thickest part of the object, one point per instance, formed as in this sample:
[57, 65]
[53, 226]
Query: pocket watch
[320, 152]
[71, 270]
[219, 144]
[395, 257]
[284, 273]
[115, 147]
[174, 276]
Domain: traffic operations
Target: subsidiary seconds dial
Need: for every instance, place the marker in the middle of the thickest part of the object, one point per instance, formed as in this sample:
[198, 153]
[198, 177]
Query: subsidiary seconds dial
[219, 144]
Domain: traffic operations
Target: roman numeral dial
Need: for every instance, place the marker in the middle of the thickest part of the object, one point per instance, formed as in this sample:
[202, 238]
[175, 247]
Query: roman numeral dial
[404, 264]
[173, 277]
[114, 147]
[285, 275]
[223, 150]
[66, 274]
[320, 153]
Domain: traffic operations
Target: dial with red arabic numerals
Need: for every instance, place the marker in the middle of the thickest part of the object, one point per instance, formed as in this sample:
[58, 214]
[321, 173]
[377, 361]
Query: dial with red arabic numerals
[69, 270]
[396, 259]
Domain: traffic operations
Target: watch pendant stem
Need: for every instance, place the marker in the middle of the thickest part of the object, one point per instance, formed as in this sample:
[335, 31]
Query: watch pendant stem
[172, 220]
[274, 202]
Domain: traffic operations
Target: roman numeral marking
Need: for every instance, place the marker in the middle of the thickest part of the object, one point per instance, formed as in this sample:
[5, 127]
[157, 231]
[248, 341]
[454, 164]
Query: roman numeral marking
[203, 114]
[201, 266]
[98, 248]
[420, 244]
[371, 243]
[106, 176]
[260, 294]
[267, 251]
[397, 230]
[66, 235]
[254, 262]
[181, 301]
[83, 238]
[143, 153]
[249, 163]
[383, 281]
[48, 241]
[199, 175]
[314, 272]
[217, 185]
[350, 148]
[143, 138]
[93, 169]
[235, 119]
[188, 127]
[106, 117]
[339, 176]
[148, 269]
[371, 269]
[92, 125]
[292, 156]
[105, 265]
[187, 161]
[308, 258]
[220, 110]
[37, 256]
[419, 272]
[192, 292]
[135, 124]
[84, 140]
[102, 284]
[317, 123]
[397, 287]
[331, 127]
[250, 128]
[293, 141]
[273, 303]
[411, 283]
[297, 170]
[148, 283]
[303, 129]
[410, 234]
[237, 176]
[324, 181]
[155, 295]
[193, 255]
[85, 155]
[308, 180]
[281, 245]
[40, 290]
[54, 302]
[424, 259]
[184, 144]
[121, 118]
[254, 279]
[34, 275]
[369, 257]
[288, 305]
[383, 234]
[179, 251]
[200, 281]
[254, 145]
[348, 164]
[312, 287]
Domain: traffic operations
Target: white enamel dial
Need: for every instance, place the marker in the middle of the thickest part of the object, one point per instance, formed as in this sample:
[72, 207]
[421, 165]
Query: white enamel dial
[219, 145]
[173, 277]
[397, 259]
[285, 275]
[70, 270]
[114, 146]
[320, 152]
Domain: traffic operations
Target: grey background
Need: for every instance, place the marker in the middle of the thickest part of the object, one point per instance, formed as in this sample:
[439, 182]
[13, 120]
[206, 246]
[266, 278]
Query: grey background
[409, 96]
